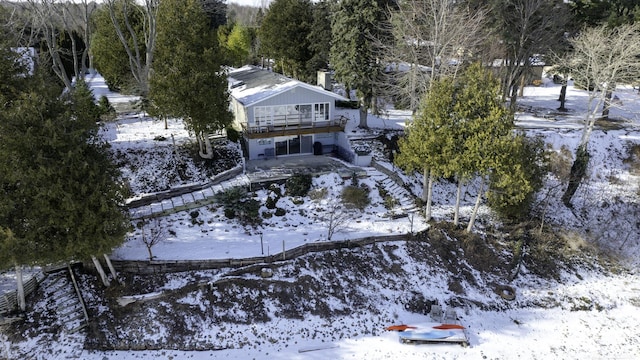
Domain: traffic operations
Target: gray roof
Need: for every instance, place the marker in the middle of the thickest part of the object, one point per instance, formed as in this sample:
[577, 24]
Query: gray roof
[251, 84]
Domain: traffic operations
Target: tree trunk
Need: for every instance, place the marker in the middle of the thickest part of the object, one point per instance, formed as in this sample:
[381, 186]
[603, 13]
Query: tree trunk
[22, 303]
[522, 84]
[112, 269]
[425, 184]
[607, 103]
[150, 253]
[100, 270]
[578, 171]
[363, 117]
[513, 106]
[563, 96]
[476, 206]
[456, 216]
[206, 149]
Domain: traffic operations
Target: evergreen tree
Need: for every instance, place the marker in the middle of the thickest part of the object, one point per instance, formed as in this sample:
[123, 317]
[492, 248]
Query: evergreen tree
[358, 28]
[461, 130]
[238, 45]
[320, 37]
[517, 177]
[110, 57]
[430, 138]
[611, 12]
[486, 125]
[188, 80]
[61, 194]
[283, 35]
[12, 77]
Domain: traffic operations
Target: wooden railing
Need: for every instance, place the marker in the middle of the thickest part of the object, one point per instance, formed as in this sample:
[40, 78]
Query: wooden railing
[289, 126]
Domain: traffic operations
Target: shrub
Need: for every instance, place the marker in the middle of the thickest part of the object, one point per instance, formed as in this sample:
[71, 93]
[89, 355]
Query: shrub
[347, 104]
[229, 213]
[280, 212]
[318, 193]
[238, 204]
[248, 212]
[106, 110]
[389, 202]
[355, 197]
[232, 134]
[560, 162]
[512, 196]
[298, 185]
[231, 196]
[270, 203]
[297, 200]
[275, 188]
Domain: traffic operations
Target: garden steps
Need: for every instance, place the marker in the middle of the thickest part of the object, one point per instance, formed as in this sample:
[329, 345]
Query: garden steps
[187, 201]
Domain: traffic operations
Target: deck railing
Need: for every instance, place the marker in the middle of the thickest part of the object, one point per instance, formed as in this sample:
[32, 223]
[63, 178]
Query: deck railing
[284, 124]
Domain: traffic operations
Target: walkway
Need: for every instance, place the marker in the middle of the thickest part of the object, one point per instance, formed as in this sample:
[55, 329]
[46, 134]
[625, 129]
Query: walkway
[261, 171]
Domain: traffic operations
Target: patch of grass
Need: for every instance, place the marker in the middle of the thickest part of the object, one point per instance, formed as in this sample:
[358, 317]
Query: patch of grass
[298, 185]
[318, 193]
[633, 159]
[560, 162]
[355, 197]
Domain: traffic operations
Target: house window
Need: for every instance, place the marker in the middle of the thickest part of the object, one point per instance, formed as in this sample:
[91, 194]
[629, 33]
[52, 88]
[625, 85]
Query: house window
[291, 145]
[281, 148]
[262, 115]
[321, 112]
[294, 145]
[305, 113]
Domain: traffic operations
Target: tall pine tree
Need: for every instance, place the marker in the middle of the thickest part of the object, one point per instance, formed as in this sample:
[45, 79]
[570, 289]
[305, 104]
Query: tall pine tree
[358, 28]
[188, 80]
[284, 35]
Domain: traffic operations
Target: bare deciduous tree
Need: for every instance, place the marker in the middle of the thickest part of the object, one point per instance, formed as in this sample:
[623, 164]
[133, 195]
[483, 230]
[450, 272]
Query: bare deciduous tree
[336, 217]
[602, 57]
[51, 18]
[432, 38]
[139, 50]
[527, 30]
[153, 233]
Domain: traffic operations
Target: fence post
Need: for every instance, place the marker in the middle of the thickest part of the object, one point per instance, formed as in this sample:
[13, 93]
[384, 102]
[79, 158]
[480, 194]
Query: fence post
[103, 276]
[112, 269]
[21, 300]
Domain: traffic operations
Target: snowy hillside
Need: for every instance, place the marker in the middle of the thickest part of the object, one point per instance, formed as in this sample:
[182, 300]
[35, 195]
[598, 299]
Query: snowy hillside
[338, 303]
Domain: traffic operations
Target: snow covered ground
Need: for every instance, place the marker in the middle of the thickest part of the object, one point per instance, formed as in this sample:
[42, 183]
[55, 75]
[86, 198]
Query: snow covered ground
[593, 316]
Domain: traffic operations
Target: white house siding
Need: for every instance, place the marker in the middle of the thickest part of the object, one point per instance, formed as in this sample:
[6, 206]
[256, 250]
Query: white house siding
[295, 96]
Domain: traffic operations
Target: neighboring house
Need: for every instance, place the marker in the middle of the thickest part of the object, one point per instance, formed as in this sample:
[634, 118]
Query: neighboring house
[280, 116]
[533, 71]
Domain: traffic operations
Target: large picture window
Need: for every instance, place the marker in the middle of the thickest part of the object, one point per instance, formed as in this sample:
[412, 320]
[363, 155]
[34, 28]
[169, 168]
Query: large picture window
[291, 145]
[281, 115]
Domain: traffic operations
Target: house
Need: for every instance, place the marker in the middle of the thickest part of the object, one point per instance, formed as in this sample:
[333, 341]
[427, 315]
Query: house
[279, 116]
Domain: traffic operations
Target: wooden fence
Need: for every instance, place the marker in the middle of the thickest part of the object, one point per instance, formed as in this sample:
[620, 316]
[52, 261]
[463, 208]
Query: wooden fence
[169, 266]
[9, 300]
